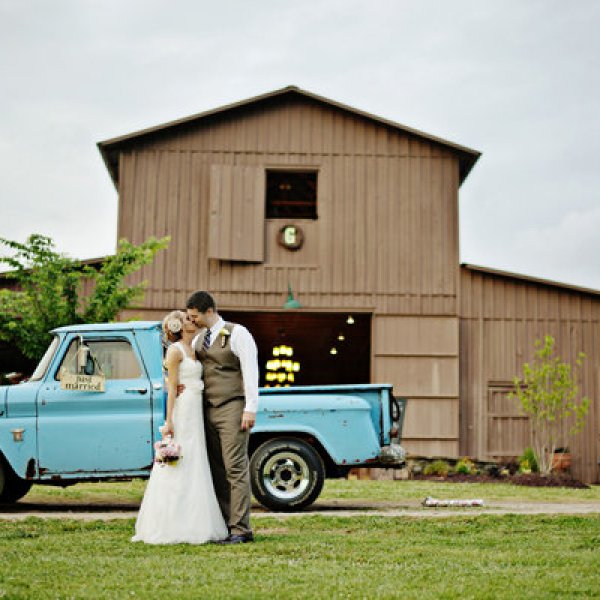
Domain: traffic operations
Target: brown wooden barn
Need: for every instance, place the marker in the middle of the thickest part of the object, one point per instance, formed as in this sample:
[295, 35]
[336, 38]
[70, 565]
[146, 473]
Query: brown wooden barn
[359, 215]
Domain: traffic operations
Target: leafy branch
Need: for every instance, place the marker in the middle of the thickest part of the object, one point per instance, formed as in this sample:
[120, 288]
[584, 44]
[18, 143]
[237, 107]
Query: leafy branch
[49, 289]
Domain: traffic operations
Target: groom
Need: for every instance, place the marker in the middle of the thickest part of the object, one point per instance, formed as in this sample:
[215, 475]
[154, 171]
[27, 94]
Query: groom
[230, 372]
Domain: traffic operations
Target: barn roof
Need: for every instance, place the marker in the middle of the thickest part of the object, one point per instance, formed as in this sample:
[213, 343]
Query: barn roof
[110, 148]
[530, 279]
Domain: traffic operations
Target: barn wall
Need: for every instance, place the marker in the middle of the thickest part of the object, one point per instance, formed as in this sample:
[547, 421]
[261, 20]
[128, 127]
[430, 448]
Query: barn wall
[386, 236]
[419, 355]
[501, 317]
[385, 241]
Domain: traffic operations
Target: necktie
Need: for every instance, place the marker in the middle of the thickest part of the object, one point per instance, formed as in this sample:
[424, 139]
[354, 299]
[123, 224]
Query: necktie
[206, 342]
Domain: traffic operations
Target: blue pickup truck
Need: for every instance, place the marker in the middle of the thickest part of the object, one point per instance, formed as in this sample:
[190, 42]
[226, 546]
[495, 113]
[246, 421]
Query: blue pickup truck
[92, 409]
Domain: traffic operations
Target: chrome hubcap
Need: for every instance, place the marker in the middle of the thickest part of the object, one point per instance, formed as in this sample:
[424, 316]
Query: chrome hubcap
[286, 475]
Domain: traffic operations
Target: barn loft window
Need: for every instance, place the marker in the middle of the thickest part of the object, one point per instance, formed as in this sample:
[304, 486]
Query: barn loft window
[291, 195]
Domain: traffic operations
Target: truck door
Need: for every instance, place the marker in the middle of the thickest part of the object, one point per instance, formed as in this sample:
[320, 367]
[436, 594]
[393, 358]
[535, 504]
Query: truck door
[81, 432]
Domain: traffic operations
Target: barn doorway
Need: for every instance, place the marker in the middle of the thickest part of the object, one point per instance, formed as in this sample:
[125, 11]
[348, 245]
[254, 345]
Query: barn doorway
[309, 348]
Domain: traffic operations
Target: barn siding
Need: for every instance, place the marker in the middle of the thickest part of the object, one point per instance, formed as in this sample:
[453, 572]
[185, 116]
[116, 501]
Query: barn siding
[387, 226]
[501, 317]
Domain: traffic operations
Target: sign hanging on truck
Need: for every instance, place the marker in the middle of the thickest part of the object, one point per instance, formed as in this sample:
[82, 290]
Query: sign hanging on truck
[82, 383]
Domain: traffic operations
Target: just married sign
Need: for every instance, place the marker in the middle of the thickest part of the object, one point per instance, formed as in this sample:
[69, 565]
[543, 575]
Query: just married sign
[82, 383]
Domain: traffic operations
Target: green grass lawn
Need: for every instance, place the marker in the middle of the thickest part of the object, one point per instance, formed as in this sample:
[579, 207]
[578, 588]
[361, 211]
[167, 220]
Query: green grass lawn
[399, 491]
[338, 490]
[311, 557]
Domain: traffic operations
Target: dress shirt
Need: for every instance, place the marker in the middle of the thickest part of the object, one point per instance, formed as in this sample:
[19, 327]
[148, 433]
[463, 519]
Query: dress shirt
[244, 347]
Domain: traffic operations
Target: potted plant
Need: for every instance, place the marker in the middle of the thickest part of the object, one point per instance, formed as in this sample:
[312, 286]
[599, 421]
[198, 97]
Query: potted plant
[561, 459]
[527, 461]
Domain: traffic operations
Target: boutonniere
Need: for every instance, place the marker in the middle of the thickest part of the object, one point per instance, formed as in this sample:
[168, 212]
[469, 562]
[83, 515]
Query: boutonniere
[225, 333]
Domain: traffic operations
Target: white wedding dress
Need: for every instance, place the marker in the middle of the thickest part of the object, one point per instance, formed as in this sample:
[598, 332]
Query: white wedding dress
[180, 505]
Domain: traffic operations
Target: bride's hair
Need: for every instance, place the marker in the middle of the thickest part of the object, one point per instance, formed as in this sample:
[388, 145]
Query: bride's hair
[172, 325]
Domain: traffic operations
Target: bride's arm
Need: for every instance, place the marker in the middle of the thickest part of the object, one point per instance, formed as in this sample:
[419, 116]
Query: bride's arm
[173, 361]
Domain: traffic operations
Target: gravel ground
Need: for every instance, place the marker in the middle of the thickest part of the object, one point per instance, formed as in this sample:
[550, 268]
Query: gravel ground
[84, 512]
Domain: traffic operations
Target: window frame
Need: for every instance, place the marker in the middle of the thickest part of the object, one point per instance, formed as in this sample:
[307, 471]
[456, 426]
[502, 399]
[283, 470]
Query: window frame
[94, 339]
[304, 169]
[46, 361]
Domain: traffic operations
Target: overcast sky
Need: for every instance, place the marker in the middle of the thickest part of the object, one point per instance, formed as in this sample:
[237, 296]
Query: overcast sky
[518, 80]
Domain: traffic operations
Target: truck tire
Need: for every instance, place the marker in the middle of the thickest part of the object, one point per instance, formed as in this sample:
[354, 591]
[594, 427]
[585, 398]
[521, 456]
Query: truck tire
[12, 487]
[287, 474]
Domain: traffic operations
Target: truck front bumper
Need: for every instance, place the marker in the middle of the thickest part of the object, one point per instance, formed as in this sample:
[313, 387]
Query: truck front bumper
[392, 456]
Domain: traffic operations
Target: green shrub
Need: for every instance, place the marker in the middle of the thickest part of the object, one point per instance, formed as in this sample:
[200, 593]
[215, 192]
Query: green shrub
[524, 466]
[437, 467]
[465, 466]
[528, 457]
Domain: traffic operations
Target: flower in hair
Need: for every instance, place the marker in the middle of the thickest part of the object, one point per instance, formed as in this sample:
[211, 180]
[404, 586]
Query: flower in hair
[174, 325]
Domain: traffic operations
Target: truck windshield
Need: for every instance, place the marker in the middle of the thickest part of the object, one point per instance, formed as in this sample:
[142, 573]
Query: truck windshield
[42, 367]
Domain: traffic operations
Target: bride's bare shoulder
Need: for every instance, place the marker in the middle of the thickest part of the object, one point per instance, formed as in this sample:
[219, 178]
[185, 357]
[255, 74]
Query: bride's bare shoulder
[174, 354]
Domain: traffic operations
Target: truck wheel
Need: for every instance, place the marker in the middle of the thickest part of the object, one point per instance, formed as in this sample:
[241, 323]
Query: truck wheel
[12, 487]
[287, 474]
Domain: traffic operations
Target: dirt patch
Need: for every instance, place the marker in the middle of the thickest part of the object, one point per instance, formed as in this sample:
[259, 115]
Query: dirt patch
[71, 505]
[331, 508]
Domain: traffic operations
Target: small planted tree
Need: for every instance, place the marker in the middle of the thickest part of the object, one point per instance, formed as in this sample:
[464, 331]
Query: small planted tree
[49, 289]
[548, 394]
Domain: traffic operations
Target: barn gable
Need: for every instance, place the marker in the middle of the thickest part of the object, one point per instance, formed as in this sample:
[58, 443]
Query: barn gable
[299, 121]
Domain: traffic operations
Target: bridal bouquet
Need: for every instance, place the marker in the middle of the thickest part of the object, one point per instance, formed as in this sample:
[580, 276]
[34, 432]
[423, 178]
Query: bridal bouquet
[167, 452]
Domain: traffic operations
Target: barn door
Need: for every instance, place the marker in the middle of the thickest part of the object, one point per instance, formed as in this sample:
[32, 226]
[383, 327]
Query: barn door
[237, 213]
[507, 429]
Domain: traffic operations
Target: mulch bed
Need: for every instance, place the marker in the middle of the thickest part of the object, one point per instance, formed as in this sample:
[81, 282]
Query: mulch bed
[530, 479]
[555, 480]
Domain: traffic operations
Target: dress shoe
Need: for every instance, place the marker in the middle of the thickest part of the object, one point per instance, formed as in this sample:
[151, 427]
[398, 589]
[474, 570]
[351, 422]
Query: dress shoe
[238, 538]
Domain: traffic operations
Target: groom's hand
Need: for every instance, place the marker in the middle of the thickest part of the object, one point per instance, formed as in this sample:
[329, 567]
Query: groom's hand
[248, 420]
[180, 389]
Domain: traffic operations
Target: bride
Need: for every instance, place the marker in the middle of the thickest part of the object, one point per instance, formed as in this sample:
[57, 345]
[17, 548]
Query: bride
[179, 504]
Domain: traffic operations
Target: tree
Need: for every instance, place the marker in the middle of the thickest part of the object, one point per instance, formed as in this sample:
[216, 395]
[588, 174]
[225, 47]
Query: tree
[548, 395]
[49, 289]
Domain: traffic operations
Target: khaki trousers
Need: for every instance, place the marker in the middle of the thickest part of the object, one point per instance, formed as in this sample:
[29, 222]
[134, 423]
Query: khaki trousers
[228, 456]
